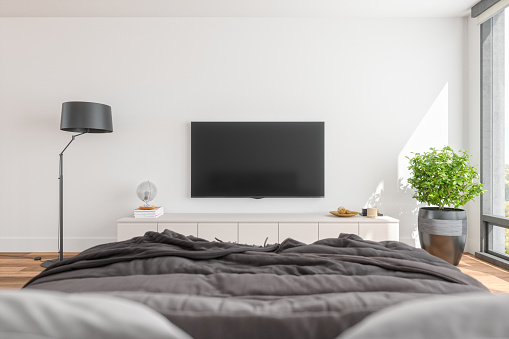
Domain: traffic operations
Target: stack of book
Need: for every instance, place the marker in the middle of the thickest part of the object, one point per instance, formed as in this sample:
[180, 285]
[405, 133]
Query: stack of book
[153, 213]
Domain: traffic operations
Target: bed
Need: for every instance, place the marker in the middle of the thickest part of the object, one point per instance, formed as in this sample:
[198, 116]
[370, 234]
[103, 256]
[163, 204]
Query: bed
[287, 290]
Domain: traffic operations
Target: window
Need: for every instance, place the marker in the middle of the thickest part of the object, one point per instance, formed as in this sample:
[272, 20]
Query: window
[495, 139]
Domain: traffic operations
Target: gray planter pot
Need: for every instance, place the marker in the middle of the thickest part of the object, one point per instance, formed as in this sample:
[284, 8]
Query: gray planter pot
[443, 233]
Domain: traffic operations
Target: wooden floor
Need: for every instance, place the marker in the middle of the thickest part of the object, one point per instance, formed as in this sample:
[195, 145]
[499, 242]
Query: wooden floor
[16, 269]
[493, 277]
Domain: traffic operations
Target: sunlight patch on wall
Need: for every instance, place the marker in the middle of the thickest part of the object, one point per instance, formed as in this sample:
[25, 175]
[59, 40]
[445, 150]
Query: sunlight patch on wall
[432, 131]
[374, 199]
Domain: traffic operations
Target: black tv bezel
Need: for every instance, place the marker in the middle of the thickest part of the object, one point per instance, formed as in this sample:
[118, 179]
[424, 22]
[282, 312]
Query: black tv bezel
[267, 196]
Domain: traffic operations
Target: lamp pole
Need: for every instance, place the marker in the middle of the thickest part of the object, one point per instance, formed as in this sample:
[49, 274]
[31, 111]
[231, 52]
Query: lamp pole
[61, 205]
[61, 197]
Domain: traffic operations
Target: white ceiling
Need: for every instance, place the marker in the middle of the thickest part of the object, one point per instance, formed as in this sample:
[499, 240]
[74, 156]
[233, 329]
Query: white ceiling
[236, 8]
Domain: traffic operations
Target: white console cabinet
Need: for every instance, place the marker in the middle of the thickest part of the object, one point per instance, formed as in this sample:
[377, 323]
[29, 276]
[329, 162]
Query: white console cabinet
[253, 228]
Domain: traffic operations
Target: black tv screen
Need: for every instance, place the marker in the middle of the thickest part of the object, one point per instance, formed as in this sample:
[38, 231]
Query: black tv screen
[257, 159]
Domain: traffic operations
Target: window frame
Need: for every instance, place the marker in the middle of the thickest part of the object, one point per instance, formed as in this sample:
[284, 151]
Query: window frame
[492, 44]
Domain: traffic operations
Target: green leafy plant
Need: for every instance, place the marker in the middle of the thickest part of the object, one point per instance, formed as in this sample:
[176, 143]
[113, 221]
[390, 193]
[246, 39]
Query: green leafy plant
[443, 178]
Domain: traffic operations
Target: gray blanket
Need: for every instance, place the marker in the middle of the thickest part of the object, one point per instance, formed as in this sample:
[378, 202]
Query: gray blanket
[291, 290]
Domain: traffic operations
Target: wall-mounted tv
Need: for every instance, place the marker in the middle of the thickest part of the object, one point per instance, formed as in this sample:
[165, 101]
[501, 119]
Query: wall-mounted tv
[257, 159]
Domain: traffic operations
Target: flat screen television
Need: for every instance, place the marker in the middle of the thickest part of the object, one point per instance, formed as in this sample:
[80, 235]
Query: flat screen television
[257, 159]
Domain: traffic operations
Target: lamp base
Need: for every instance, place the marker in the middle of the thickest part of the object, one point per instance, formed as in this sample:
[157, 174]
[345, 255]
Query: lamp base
[48, 263]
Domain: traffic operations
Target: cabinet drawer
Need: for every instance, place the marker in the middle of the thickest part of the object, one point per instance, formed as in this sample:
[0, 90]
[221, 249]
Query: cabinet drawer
[127, 231]
[184, 228]
[306, 232]
[223, 231]
[332, 230]
[379, 231]
[252, 233]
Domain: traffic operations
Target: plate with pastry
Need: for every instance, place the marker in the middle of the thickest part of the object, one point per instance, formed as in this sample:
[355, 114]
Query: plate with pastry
[343, 212]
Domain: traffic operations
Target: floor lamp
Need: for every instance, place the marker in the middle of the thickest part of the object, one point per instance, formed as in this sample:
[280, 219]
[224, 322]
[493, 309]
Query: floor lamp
[79, 117]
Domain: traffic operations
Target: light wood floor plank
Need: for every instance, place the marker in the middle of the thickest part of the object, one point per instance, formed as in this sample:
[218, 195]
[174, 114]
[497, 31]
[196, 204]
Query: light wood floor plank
[10, 269]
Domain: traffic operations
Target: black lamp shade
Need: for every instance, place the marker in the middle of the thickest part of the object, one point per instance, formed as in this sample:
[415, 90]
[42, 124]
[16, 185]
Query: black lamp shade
[90, 117]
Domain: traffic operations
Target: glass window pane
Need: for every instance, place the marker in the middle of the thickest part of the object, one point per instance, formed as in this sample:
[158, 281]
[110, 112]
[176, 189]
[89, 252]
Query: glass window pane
[499, 130]
[500, 240]
[496, 117]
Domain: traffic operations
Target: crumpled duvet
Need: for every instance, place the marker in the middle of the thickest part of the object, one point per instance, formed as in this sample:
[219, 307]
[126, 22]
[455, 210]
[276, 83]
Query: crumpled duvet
[287, 290]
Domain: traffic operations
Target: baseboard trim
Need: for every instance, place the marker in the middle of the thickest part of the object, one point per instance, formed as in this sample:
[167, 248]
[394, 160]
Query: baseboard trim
[50, 244]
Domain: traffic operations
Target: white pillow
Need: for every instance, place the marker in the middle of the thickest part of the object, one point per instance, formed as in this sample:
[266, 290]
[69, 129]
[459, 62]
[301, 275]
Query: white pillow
[31, 314]
[466, 316]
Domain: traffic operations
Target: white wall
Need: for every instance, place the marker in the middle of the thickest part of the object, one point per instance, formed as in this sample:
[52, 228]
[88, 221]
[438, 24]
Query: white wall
[384, 87]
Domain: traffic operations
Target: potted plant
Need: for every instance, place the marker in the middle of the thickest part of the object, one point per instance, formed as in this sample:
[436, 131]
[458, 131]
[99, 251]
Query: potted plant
[445, 180]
